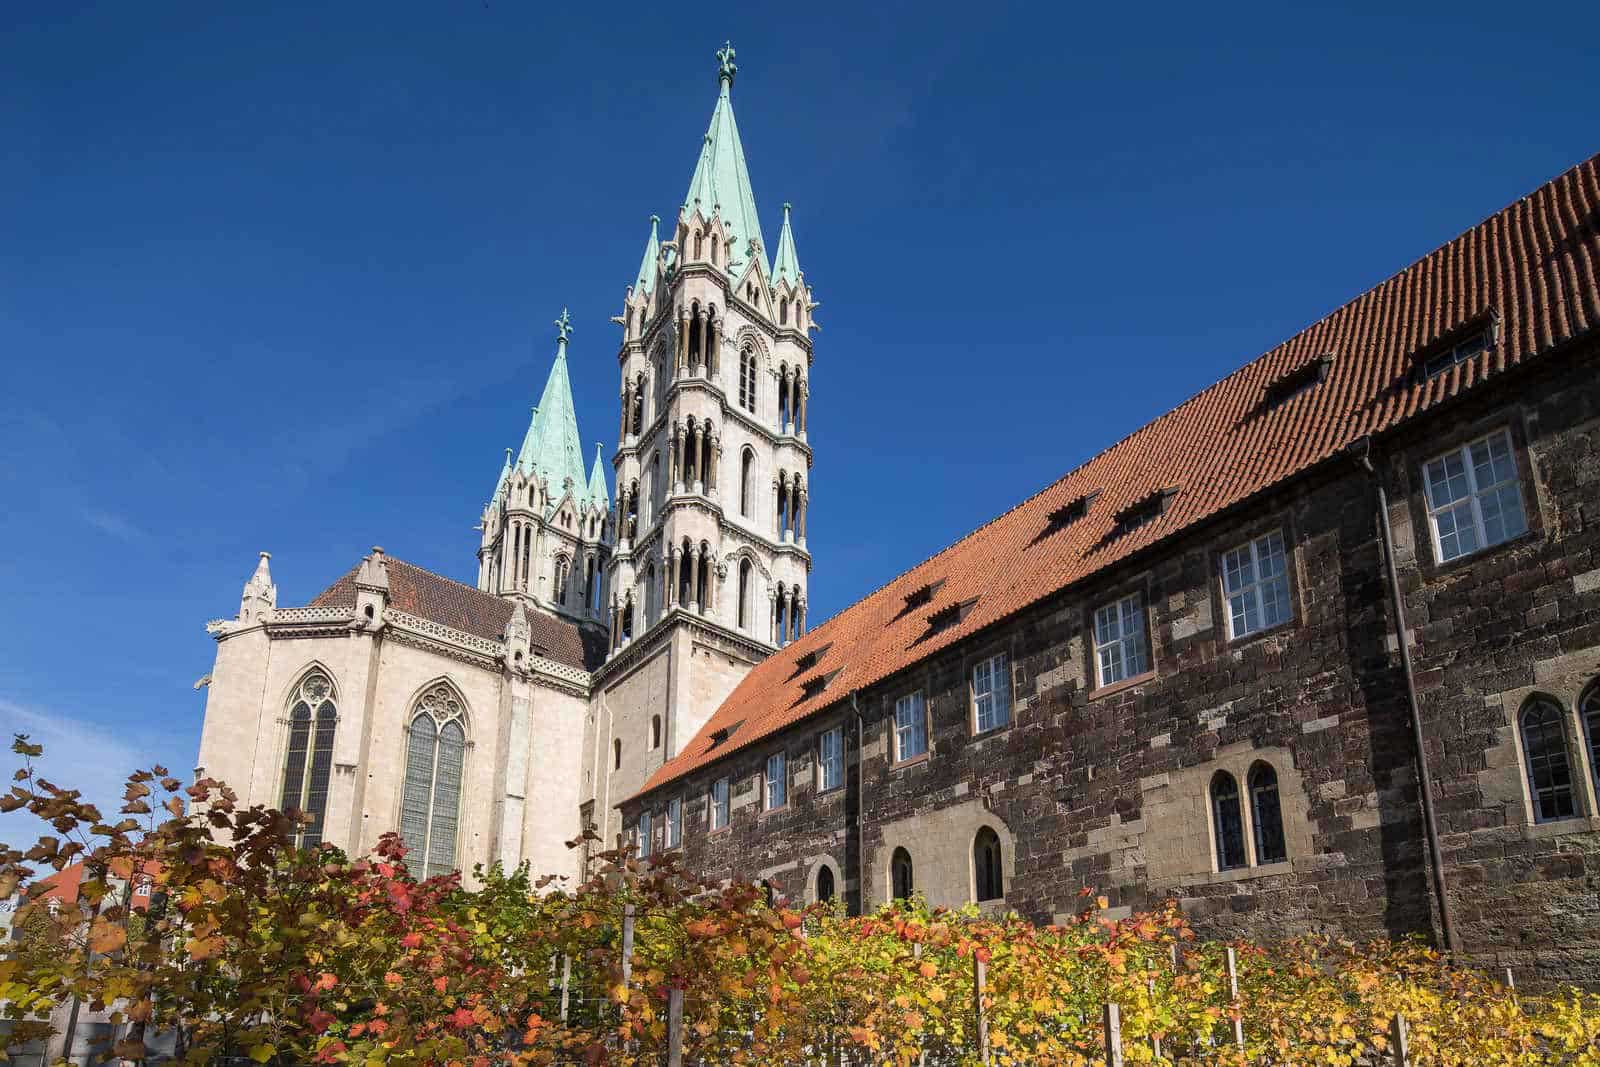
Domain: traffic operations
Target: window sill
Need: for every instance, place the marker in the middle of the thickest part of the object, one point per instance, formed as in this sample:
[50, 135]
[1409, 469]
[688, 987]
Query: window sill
[1241, 874]
[983, 735]
[912, 762]
[718, 830]
[1117, 687]
[829, 793]
[1256, 635]
[780, 809]
[1437, 569]
[1572, 824]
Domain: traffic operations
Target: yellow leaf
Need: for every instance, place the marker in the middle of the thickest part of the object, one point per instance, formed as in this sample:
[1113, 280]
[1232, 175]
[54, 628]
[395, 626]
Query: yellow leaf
[262, 1053]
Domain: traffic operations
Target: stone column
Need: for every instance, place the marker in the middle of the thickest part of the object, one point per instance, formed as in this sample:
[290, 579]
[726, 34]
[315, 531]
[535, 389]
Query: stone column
[615, 628]
[697, 358]
[800, 420]
[702, 438]
[670, 564]
[716, 465]
[721, 575]
[785, 402]
[784, 615]
[800, 621]
[694, 579]
[682, 347]
[772, 615]
[677, 458]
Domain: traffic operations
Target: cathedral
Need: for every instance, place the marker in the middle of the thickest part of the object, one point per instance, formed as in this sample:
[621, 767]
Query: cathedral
[492, 723]
[1317, 650]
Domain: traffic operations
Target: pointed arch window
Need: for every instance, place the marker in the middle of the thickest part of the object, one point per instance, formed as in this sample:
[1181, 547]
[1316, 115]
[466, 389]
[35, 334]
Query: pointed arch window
[747, 379]
[1589, 709]
[312, 716]
[825, 889]
[1267, 815]
[655, 731]
[744, 594]
[1544, 746]
[988, 880]
[900, 880]
[1227, 822]
[616, 754]
[430, 806]
[563, 569]
[747, 467]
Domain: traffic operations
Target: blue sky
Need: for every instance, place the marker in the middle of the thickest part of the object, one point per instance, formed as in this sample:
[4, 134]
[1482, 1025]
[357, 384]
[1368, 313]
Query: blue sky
[283, 278]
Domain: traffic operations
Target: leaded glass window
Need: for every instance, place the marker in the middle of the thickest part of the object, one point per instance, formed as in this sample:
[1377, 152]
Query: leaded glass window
[1544, 744]
[1267, 815]
[430, 807]
[1227, 822]
[310, 756]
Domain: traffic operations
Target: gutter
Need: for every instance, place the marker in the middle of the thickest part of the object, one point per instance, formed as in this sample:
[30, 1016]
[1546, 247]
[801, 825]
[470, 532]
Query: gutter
[1361, 451]
[861, 806]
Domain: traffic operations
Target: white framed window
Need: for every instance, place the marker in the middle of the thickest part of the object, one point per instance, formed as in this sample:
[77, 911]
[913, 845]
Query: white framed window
[991, 694]
[1255, 582]
[644, 835]
[672, 833]
[830, 759]
[1120, 648]
[719, 804]
[777, 781]
[910, 727]
[1474, 500]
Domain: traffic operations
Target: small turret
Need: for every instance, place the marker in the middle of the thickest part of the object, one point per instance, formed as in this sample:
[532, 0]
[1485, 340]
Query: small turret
[260, 596]
[372, 588]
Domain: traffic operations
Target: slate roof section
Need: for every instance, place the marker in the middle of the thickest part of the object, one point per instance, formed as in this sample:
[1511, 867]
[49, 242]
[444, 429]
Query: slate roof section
[461, 607]
[1534, 268]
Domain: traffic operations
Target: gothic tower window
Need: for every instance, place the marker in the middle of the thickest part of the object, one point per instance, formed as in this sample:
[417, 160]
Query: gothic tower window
[1544, 746]
[988, 880]
[702, 587]
[655, 480]
[825, 888]
[900, 880]
[784, 405]
[783, 312]
[1267, 815]
[655, 731]
[699, 245]
[563, 567]
[695, 336]
[431, 802]
[1227, 822]
[744, 594]
[747, 466]
[627, 618]
[616, 754]
[591, 588]
[638, 407]
[305, 772]
[651, 608]
[747, 379]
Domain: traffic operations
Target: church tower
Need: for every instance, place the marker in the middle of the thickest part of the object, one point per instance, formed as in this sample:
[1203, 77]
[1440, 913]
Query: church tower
[710, 565]
[544, 531]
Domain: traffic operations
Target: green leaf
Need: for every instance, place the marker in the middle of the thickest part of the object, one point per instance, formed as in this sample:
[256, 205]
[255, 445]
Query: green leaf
[262, 1053]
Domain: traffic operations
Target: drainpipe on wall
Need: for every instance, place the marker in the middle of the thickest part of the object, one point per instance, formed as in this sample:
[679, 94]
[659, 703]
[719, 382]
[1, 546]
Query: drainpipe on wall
[861, 808]
[1361, 450]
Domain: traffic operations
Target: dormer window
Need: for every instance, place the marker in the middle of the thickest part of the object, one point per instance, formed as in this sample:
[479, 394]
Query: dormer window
[1145, 511]
[924, 595]
[1302, 379]
[950, 616]
[810, 659]
[1069, 513]
[1460, 348]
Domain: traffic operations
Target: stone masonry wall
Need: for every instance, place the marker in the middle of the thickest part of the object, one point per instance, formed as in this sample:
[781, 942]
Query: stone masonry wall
[1108, 788]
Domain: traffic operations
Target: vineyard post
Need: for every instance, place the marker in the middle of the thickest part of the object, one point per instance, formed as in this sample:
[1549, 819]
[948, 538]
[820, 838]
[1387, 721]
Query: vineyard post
[674, 1027]
[1233, 993]
[627, 944]
[1155, 1042]
[1112, 1019]
[1400, 1036]
[980, 974]
[1511, 984]
[916, 954]
[566, 981]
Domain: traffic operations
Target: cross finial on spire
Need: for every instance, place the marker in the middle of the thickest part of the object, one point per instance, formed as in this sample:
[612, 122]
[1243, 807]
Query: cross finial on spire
[727, 68]
[563, 327]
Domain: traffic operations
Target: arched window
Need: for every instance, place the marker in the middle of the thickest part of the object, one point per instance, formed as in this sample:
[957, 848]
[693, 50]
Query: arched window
[784, 405]
[747, 468]
[825, 884]
[638, 407]
[435, 754]
[1267, 815]
[1589, 708]
[900, 882]
[702, 593]
[1544, 744]
[783, 312]
[744, 594]
[989, 881]
[655, 484]
[590, 586]
[627, 618]
[747, 379]
[655, 731]
[616, 754]
[699, 244]
[1227, 822]
[652, 609]
[714, 244]
[695, 335]
[563, 568]
[305, 772]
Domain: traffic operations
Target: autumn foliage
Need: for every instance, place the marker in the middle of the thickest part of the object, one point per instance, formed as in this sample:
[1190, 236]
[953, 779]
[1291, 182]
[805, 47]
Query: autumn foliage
[254, 948]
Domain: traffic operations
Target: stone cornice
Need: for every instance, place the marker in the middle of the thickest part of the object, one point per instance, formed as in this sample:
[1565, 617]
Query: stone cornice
[643, 646]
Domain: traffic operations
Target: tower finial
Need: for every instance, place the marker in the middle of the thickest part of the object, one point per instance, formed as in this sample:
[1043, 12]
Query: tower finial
[563, 328]
[726, 67]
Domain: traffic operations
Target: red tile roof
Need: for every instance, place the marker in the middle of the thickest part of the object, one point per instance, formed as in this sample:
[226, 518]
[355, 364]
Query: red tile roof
[461, 607]
[1532, 267]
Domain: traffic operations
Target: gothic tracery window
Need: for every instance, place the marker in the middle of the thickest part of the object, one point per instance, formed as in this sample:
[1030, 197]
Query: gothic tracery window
[310, 757]
[431, 802]
[747, 466]
[747, 379]
[563, 568]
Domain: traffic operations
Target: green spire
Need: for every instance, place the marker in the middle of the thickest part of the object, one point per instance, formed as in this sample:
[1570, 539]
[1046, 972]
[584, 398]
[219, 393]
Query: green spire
[552, 449]
[647, 266]
[505, 476]
[597, 482]
[721, 180]
[786, 262]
